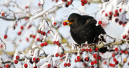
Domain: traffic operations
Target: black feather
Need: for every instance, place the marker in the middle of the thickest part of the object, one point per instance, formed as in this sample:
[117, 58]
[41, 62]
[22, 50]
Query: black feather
[83, 28]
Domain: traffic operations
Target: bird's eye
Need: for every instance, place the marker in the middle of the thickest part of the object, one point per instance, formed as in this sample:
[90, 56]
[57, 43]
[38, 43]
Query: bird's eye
[71, 20]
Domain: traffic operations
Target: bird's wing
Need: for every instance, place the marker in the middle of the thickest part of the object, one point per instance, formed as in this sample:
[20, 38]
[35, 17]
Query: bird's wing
[87, 17]
[98, 29]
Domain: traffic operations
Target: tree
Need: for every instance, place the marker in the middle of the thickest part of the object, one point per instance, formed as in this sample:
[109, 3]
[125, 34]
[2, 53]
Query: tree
[33, 30]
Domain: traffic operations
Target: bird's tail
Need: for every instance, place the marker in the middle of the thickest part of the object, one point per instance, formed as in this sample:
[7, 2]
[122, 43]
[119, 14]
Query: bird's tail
[104, 49]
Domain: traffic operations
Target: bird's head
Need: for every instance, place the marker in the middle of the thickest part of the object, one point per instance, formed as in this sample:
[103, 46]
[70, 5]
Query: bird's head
[71, 19]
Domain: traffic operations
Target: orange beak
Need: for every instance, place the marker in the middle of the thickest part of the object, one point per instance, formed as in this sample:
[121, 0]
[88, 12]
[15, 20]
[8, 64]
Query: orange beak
[68, 22]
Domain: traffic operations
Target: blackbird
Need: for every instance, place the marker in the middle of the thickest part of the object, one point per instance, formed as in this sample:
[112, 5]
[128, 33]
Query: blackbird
[83, 28]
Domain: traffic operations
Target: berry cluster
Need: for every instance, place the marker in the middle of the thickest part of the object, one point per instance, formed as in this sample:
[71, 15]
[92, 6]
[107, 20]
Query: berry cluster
[67, 64]
[83, 2]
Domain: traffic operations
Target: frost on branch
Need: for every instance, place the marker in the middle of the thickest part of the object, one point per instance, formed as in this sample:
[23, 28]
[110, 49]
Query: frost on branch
[34, 29]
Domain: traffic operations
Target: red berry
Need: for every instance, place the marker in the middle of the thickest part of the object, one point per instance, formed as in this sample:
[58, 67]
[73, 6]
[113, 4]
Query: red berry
[78, 57]
[120, 22]
[105, 62]
[110, 13]
[116, 49]
[7, 66]
[99, 22]
[35, 67]
[79, 60]
[16, 61]
[85, 1]
[86, 59]
[19, 33]
[84, 64]
[38, 59]
[114, 59]
[25, 65]
[82, 4]
[64, 23]
[34, 59]
[82, 49]
[96, 49]
[123, 25]
[126, 52]
[21, 27]
[45, 43]
[90, 50]
[49, 65]
[57, 42]
[48, 32]
[92, 63]
[82, 0]
[113, 55]
[3, 14]
[103, 11]
[57, 54]
[122, 51]
[5, 36]
[75, 60]
[26, 7]
[38, 31]
[54, 42]
[68, 64]
[17, 57]
[127, 38]
[94, 55]
[106, 14]
[38, 39]
[95, 61]
[41, 32]
[115, 15]
[61, 55]
[27, 39]
[42, 44]
[55, 23]
[124, 36]
[112, 65]
[26, 19]
[99, 57]
[120, 10]
[1, 46]
[116, 11]
[39, 4]
[58, 45]
[65, 64]
[128, 63]
[33, 36]
[87, 49]
[69, 2]
[116, 62]
[116, 20]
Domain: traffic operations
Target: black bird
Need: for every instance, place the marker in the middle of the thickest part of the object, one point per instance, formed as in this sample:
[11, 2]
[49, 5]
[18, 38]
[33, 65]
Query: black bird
[83, 28]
